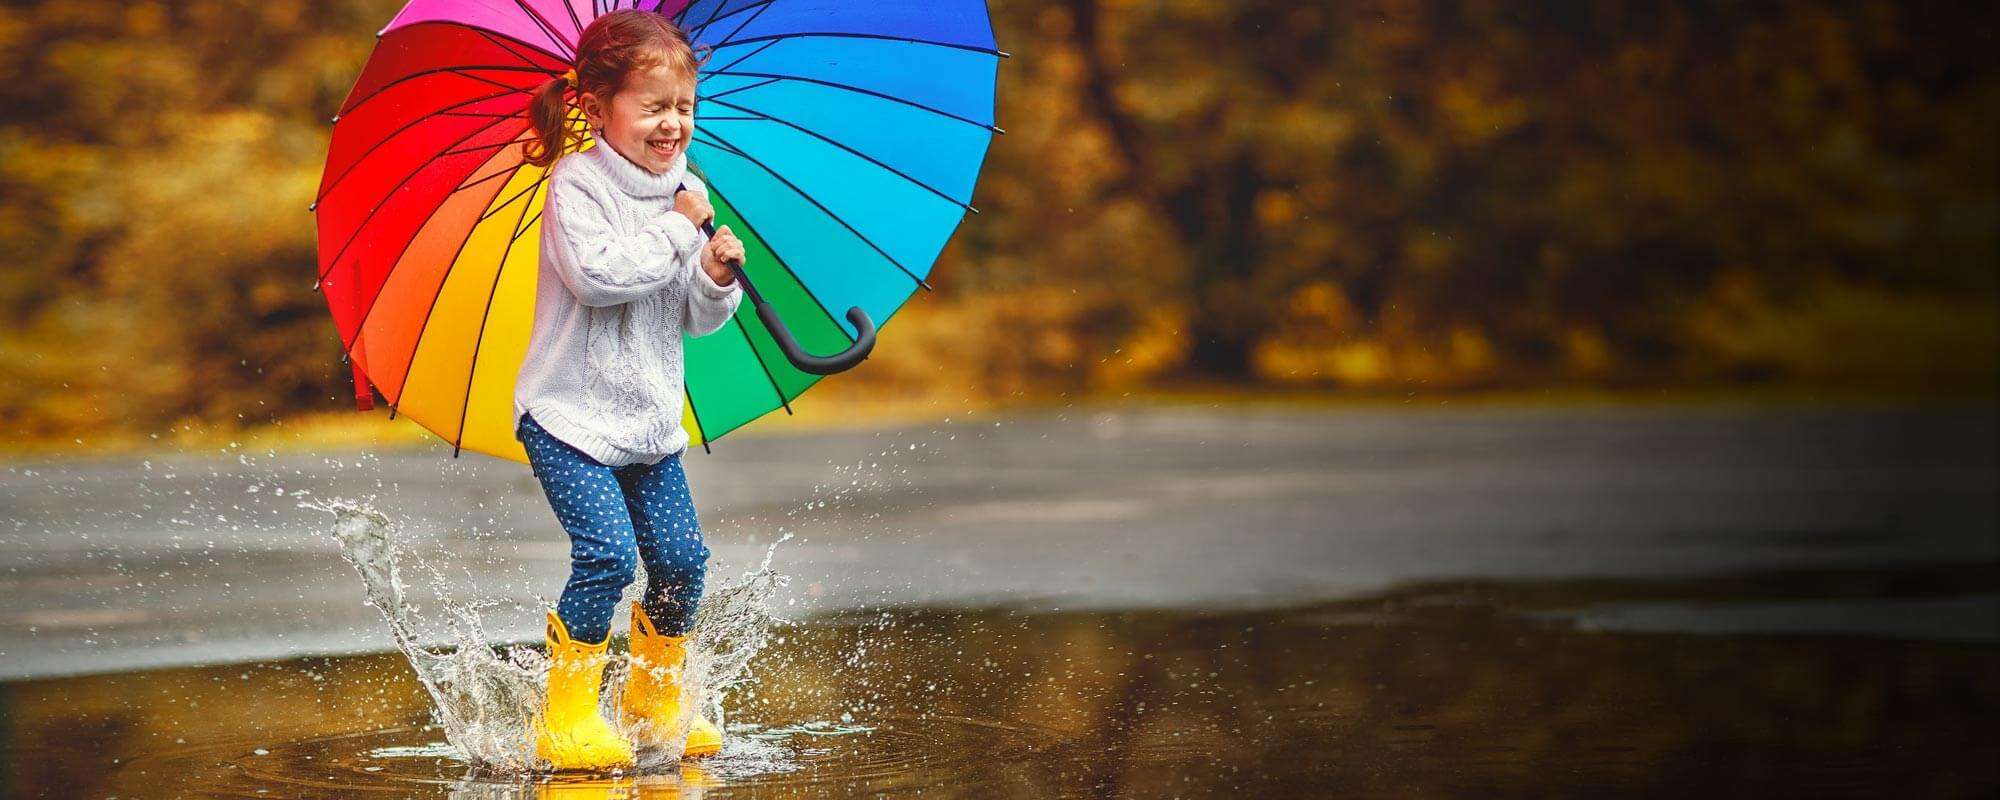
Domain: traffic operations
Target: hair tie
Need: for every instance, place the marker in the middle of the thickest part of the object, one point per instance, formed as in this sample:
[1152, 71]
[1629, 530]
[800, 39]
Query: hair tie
[569, 77]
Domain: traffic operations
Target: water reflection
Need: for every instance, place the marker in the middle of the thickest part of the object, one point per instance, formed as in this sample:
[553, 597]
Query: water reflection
[1419, 694]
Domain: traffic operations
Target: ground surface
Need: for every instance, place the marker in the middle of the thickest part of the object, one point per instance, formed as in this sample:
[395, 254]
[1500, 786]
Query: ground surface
[111, 565]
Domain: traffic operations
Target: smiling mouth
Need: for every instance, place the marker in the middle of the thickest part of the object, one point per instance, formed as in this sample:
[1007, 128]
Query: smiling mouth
[663, 148]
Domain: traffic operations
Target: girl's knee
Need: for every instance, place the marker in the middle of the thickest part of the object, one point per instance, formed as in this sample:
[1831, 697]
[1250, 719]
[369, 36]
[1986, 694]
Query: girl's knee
[612, 568]
[678, 562]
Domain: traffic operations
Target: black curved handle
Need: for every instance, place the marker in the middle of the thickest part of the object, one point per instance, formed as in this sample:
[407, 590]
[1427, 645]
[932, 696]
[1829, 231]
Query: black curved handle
[864, 330]
[864, 341]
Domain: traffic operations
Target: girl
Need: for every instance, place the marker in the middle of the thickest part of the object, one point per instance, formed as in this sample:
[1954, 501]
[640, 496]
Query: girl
[625, 270]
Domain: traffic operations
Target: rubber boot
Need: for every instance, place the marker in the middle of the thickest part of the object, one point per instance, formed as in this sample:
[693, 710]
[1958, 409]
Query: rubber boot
[651, 706]
[569, 732]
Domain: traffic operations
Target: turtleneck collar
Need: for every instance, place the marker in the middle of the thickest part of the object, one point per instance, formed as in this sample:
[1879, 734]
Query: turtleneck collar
[632, 178]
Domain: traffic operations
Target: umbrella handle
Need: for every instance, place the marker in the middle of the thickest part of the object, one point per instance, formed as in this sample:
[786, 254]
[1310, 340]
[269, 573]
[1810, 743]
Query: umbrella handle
[807, 362]
[864, 329]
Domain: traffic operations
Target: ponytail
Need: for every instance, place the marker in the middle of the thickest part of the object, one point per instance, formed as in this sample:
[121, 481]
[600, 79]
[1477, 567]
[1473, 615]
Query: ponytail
[548, 118]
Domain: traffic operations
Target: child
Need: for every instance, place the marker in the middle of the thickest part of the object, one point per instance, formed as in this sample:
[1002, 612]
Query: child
[625, 270]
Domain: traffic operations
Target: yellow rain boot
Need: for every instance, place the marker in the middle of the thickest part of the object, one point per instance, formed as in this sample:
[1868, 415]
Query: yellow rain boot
[569, 733]
[651, 706]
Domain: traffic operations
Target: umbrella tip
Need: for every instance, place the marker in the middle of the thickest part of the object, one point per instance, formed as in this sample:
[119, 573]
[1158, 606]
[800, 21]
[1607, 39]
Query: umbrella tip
[972, 209]
[336, 118]
[312, 206]
[1003, 54]
[316, 288]
[999, 130]
[924, 283]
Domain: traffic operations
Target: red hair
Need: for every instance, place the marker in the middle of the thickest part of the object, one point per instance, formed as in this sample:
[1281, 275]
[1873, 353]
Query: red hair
[611, 48]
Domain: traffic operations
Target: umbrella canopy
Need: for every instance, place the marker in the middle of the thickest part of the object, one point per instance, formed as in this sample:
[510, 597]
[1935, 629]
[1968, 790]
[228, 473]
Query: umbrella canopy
[841, 141]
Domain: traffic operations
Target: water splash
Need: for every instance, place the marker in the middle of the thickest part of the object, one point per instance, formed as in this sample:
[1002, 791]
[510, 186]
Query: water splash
[484, 697]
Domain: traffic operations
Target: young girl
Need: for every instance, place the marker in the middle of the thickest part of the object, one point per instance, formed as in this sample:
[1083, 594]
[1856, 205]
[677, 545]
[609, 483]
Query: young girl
[625, 270]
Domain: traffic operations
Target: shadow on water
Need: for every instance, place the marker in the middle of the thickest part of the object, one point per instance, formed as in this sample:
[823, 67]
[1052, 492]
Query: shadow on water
[1442, 690]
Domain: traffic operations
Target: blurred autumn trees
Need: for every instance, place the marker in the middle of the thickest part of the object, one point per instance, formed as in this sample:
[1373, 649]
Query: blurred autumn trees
[1372, 195]
[156, 160]
[1493, 193]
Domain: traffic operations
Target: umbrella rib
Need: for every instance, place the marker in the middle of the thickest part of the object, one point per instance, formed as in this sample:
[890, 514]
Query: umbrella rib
[728, 92]
[824, 210]
[464, 186]
[479, 341]
[689, 391]
[724, 69]
[745, 330]
[723, 146]
[372, 302]
[462, 70]
[369, 313]
[845, 87]
[577, 23]
[857, 153]
[548, 29]
[501, 42]
[752, 228]
[522, 89]
[483, 147]
[556, 56]
[761, 7]
[517, 195]
[329, 187]
[499, 39]
[356, 233]
[477, 148]
[853, 35]
[713, 12]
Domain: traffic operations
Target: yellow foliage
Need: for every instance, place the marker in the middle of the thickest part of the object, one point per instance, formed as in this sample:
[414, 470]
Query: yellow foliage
[1368, 195]
[1835, 333]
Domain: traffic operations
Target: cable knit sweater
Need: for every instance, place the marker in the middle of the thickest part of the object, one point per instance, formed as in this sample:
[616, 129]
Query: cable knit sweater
[621, 281]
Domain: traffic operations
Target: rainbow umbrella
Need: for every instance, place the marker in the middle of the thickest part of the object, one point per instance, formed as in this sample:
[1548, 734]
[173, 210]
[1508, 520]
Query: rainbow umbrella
[840, 140]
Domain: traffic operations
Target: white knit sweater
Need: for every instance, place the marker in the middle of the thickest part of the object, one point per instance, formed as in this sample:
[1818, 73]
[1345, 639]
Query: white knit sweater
[620, 281]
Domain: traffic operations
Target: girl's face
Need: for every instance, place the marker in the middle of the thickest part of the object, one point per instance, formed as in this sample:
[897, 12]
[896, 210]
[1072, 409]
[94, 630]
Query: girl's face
[650, 120]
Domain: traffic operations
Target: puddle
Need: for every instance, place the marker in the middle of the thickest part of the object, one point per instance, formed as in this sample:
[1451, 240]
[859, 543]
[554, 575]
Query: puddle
[1950, 619]
[1411, 695]
[484, 698]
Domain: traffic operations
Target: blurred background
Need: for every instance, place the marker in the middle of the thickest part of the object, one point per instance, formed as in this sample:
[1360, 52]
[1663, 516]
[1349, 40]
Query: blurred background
[1361, 199]
[1385, 398]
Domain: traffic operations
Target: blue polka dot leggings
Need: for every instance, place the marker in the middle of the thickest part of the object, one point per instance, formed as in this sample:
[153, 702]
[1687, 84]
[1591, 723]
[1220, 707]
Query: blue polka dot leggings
[616, 517]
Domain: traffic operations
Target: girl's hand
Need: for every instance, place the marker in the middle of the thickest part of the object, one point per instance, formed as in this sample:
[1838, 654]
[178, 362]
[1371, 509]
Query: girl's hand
[694, 207]
[722, 250]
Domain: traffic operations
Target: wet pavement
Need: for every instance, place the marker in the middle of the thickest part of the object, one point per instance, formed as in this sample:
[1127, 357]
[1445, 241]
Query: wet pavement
[1094, 603]
[117, 564]
[1441, 690]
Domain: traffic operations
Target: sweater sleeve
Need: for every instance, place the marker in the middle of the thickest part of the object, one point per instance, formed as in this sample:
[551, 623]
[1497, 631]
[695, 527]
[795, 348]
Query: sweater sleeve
[709, 304]
[602, 267]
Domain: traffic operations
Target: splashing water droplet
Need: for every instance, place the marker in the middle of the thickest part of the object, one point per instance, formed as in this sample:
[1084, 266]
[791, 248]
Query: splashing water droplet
[485, 698]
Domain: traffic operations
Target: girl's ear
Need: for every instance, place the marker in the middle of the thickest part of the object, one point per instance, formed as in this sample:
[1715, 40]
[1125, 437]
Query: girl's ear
[594, 111]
